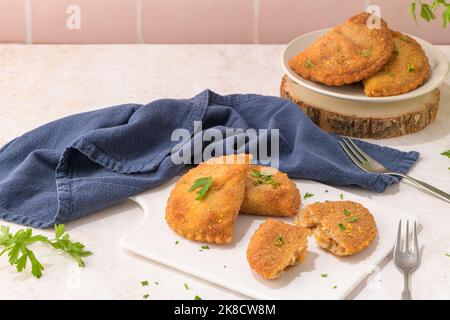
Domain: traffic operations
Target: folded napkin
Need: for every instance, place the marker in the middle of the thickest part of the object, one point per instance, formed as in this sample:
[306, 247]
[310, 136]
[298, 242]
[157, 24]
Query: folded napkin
[71, 167]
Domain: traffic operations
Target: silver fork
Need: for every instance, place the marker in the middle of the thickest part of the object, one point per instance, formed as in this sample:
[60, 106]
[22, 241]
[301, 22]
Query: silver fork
[406, 260]
[370, 165]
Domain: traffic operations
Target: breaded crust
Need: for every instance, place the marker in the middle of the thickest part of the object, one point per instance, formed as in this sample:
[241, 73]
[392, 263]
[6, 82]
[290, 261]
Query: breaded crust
[212, 218]
[407, 69]
[342, 227]
[346, 54]
[270, 192]
[275, 246]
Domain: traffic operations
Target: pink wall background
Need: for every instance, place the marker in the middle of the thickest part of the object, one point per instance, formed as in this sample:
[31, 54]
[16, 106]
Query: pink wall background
[193, 21]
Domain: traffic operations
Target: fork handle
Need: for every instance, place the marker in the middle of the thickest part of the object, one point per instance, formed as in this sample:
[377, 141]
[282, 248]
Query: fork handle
[406, 294]
[437, 192]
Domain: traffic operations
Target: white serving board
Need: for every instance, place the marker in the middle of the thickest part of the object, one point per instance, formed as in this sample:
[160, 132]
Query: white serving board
[226, 265]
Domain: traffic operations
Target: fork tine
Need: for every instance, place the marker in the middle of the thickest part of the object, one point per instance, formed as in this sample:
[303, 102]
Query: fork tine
[397, 248]
[363, 154]
[407, 237]
[354, 152]
[350, 155]
[416, 243]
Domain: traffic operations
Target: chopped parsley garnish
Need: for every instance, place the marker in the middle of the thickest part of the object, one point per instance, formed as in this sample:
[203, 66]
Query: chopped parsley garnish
[347, 212]
[341, 196]
[197, 297]
[263, 178]
[411, 68]
[309, 64]
[404, 39]
[186, 286]
[279, 241]
[308, 195]
[204, 183]
[177, 242]
[204, 248]
[334, 287]
[144, 283]
[324, 275]
[353, 219]
[341, 226]
[145, 296]
[447, 254]
[367, 53]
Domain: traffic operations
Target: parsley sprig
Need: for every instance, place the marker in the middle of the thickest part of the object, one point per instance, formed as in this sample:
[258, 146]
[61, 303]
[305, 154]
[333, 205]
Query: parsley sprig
[428, 10]
[16, 246]
[204, 184]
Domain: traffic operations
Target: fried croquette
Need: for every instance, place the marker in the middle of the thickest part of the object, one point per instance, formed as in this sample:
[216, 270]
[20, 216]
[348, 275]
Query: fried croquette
[341, 227]
[275, 246]
[205, 202]
[346, 54]
[407, 69]
[269, 192]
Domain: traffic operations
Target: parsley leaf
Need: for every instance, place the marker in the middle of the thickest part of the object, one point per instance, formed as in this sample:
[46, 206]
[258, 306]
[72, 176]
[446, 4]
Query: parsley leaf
[204, 248]
[204, 183]
[145, 296]
[197, 297]
[308, 195]
[412, 10]
[446, 153]
[411, 68]
[367, 53]
[446, 16]
[341, 196]
[324, 275]
[353, 219]
[341, 226]
[309, 64]
[279, 241]
[426, 12]
[186, 286]
[347, 212]
[144, 283]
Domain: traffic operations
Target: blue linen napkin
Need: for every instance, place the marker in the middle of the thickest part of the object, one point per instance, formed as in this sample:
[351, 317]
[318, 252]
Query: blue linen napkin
[77, 165]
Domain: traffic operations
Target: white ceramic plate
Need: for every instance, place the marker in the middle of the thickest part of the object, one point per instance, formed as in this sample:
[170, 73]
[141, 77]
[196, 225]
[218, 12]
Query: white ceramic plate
[439, 66]
[226, 265]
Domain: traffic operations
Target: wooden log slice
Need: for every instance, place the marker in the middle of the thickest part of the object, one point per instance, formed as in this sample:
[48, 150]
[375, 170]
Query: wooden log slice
[363, 120]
